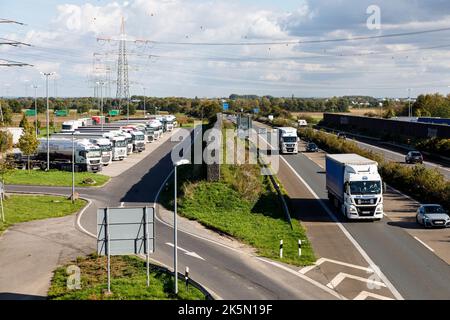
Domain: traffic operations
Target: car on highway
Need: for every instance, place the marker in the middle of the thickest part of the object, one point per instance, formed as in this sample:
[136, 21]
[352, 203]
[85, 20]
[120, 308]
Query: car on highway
[312, 147]
[414, 157]
[432, 215]
[341, 135]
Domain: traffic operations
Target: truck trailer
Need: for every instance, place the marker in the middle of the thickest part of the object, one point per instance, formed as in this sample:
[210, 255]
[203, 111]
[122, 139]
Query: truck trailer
[354, 186]
[87, 155]
[105, 144]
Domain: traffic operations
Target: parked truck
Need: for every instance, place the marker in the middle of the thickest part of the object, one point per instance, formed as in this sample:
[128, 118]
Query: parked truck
[104, 144]
[287, 140]
[87, 155]
[354, 186]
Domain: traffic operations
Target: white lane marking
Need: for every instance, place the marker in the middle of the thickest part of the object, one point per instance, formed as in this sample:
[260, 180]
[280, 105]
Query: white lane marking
[348, 235]
[322, 260]
[424, 244]
[79, 220]
[186, 252]
[317, 284]
[363, 295]
[341, 276]
[374, 267]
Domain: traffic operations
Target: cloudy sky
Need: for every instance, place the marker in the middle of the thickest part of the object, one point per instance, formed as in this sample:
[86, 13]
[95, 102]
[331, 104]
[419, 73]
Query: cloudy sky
[212, 48]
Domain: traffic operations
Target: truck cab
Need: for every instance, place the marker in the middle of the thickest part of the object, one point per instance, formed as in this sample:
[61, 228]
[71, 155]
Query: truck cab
[288, 140]
[70, 126]
[137, 138]
[119, 146]
[355, 186]
[105, 146]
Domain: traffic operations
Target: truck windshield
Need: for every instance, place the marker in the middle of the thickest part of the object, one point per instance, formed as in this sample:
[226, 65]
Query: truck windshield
[365, 187]
[66, 127]
[94, 154]
[120, 143]
[106, 148]
[290, 139]
[139, 137]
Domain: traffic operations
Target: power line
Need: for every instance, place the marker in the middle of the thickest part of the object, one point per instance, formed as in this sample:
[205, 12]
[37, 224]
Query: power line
[357, 38]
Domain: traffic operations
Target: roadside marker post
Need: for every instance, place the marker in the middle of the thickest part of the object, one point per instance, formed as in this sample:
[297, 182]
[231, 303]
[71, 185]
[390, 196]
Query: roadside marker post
[186, 276]
[299, 247]
[281, 249]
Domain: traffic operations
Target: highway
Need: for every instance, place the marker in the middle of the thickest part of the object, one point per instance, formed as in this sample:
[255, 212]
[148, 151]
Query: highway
[414, 271]
[349, 252]
[228, 272]
[395, 154]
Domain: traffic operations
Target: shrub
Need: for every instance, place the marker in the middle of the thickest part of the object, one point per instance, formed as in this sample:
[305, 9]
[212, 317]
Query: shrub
[426, 185]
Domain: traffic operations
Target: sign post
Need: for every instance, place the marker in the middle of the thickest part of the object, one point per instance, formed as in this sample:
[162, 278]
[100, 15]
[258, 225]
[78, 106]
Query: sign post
[124, 231]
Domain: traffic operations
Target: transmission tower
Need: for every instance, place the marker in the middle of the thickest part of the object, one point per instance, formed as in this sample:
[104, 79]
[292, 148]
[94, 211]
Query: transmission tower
[123, 85]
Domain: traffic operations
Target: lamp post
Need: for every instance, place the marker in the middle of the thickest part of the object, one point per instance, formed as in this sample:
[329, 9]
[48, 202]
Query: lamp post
[409, 103]
[35, 110]
[73, 167]
[100, 84]
[144, 104]
[175, 226]
[47, 74]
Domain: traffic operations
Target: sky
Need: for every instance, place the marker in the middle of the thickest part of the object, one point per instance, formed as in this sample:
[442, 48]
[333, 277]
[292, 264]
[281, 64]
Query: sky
[213, 48]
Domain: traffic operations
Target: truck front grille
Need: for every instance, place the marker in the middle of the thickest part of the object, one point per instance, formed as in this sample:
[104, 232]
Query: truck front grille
[368, 211]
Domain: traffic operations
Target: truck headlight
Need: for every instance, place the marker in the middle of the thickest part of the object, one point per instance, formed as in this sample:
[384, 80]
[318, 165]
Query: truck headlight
[380, 208]
[353, 209]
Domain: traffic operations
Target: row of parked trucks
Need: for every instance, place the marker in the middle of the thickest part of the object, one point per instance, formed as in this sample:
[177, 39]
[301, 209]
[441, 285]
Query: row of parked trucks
[95, 145]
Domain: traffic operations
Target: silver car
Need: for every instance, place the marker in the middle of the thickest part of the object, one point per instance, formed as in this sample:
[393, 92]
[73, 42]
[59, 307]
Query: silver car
[432, 215]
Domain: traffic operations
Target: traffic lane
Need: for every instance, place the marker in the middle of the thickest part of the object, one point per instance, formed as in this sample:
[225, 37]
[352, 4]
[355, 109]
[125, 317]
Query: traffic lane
[401, 211]
[400, 158]
[399, 256]
[230, 273]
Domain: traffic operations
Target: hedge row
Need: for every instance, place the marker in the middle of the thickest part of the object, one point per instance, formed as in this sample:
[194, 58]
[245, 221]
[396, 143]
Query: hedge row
[425, 185]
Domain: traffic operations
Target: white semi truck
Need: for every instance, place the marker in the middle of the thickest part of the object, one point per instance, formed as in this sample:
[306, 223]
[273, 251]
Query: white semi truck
[288, 140]
[354, 186]
[87, 155]
[104, 144]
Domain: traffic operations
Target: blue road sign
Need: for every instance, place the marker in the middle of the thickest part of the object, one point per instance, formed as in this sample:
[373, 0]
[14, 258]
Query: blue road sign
[225, 106]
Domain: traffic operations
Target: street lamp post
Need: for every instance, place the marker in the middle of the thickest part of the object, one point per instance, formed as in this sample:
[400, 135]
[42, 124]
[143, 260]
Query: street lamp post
[144, 104]
[175, 225]
[100, 84]
[35, 110]
[47, 74]
[409, 103]
[73, 167]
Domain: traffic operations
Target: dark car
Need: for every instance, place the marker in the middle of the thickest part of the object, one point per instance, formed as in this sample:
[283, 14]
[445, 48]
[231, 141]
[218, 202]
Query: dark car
[311, 147]
[414, 157]
[341, 135]
[432, 215]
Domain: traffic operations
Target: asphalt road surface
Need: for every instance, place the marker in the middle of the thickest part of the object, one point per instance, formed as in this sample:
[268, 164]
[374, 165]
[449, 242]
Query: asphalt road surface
[412, 269]
[227, 272]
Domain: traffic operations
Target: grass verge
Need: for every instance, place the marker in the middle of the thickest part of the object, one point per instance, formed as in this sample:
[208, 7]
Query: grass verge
[243, 205]
[128, 282]
[54, 178]
[23, 208]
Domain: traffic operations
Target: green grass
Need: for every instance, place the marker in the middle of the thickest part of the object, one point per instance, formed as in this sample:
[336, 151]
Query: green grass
[22, 208]
[128, 282]
[54, 178]
[258, 223]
